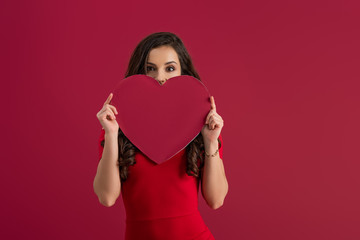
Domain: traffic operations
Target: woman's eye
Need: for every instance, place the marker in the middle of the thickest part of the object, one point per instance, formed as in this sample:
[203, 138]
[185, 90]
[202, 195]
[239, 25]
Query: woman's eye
[171, 68]
[149, 68]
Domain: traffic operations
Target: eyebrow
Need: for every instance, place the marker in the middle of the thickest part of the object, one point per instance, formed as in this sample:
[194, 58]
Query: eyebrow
[165, 63]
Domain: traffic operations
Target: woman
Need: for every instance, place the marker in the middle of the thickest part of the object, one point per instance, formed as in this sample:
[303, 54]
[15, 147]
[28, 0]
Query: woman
[161, 199]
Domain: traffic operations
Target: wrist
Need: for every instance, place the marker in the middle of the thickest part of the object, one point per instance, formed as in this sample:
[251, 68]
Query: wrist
[211, 149]
[111, 134]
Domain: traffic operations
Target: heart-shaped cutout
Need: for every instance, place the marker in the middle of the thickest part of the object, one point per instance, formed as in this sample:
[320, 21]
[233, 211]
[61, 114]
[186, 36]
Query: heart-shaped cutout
[161, 120]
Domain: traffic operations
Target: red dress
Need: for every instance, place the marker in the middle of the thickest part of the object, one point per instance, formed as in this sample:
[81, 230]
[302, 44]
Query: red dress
[161, 200]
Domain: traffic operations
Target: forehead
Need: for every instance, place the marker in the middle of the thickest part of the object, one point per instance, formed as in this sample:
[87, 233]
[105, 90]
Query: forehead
[162, 55]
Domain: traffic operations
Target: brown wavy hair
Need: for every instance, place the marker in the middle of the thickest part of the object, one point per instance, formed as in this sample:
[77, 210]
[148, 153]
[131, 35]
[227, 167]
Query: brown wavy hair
[195, 149]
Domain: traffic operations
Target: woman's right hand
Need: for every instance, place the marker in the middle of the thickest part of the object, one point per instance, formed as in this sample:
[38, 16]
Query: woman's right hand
[107, 117]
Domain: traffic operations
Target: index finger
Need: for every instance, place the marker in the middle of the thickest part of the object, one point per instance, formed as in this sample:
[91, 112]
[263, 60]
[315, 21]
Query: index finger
[213, 106]
[108, 99]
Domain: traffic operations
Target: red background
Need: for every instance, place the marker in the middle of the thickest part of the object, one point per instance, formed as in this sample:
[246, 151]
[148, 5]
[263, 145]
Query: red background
[285, 79]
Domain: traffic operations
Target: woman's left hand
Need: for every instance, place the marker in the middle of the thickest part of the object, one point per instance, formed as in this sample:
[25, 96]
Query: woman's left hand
[213, 124]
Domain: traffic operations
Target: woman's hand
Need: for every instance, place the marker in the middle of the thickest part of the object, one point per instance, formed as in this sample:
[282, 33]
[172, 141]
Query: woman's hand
[213, 124]
[107, 117]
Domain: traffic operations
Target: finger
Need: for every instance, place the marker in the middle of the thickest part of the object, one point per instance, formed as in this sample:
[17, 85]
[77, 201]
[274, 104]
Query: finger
[108, 99]
[110, 117]
[113, 108]
[211, 118]
[210, 122]
[207, 119]
[109, 114]
[214, 123]
[212, 100]
[218, 117]
[217, 120]
[101, 112]
[211, 112]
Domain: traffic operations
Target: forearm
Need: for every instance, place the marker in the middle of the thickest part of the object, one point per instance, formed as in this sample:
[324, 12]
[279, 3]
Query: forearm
[214, 183]
[107, 183]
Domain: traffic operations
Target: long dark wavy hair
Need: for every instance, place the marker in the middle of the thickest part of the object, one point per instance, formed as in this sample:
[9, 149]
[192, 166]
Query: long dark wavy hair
[137, 65]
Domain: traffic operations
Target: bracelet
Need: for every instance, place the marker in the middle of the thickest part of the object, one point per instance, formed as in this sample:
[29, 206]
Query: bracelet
[212, 155]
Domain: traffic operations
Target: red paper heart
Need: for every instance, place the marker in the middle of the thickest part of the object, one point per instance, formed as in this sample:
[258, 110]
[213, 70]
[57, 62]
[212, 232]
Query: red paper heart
[161, 120]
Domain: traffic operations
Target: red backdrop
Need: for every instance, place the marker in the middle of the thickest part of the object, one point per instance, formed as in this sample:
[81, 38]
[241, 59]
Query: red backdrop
[285, 79]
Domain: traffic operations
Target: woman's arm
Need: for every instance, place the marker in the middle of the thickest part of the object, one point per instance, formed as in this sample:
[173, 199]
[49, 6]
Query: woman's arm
[214, 185]
[107, 183]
